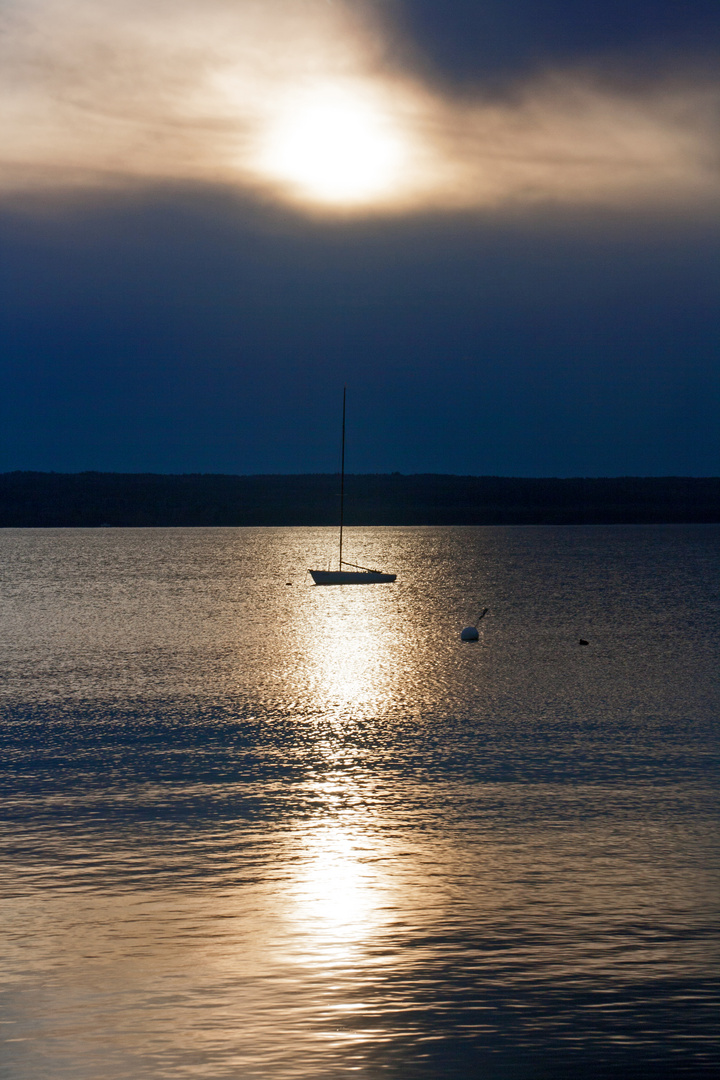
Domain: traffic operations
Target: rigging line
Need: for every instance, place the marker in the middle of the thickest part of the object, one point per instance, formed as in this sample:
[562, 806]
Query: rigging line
[342, 477]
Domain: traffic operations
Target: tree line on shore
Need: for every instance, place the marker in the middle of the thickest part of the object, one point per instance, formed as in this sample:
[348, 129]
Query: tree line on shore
[94, 499]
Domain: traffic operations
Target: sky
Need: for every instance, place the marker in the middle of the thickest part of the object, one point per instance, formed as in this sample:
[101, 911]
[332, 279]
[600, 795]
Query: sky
[497, 224]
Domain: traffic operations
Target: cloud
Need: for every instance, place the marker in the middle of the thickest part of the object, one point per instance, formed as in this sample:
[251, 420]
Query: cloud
[300, 101]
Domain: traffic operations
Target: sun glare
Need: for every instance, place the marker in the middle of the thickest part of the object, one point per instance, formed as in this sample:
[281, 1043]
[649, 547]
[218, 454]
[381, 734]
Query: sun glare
[335, 146]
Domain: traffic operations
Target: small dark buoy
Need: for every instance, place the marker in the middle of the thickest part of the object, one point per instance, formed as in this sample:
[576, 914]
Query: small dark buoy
[583, 641]
[471, 633]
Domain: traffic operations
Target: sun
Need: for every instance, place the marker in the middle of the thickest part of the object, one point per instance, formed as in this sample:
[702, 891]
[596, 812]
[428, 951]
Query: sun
[334, 146]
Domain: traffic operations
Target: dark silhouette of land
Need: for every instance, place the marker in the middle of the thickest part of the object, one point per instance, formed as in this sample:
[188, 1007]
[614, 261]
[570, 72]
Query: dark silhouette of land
[91, 499]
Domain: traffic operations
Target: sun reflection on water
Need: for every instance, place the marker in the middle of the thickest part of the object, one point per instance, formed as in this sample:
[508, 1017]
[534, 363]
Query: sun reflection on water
[348, 648]
[342, 889]
[336, 897]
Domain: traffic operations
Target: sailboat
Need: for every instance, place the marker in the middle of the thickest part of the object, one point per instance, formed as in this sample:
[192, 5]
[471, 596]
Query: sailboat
[359, 575]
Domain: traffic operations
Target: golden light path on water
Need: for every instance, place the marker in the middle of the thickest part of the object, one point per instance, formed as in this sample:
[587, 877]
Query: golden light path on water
[350, 651]
[342, 894]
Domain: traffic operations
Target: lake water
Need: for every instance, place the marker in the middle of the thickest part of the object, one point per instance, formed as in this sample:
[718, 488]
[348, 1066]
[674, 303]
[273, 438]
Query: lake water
[258, 829]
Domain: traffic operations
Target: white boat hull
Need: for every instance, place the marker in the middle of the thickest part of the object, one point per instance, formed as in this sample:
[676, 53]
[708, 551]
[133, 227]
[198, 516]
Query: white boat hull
[350, 577]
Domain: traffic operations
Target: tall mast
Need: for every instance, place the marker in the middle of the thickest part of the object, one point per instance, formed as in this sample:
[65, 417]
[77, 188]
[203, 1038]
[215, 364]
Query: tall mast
[342, 477]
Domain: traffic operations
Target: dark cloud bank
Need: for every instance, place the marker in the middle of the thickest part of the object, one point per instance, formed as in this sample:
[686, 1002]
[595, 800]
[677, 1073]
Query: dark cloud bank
[191, 334]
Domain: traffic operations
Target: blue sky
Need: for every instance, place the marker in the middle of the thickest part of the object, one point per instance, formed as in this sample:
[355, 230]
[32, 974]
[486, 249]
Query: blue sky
[499, 228]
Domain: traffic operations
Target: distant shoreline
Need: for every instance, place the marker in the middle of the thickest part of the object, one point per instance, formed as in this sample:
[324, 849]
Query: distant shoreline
[94, 499]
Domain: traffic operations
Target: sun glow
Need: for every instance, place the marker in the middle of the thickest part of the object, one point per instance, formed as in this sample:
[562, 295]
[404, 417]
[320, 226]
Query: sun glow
[335, 145]
[303, 102]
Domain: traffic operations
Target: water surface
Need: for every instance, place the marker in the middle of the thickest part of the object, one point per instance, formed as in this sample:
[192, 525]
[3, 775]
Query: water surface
[259, 829]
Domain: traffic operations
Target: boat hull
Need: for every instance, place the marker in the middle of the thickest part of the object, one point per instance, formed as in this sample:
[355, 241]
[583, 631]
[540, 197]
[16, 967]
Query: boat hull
[350, 577]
